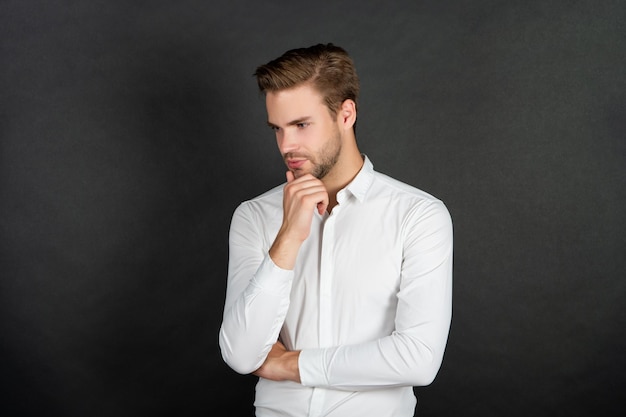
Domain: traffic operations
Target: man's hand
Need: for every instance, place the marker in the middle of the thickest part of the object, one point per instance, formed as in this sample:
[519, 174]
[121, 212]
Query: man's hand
[301, 197]
[280, 365]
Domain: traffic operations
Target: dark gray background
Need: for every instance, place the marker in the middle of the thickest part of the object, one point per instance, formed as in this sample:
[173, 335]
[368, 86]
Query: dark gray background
[130, 131]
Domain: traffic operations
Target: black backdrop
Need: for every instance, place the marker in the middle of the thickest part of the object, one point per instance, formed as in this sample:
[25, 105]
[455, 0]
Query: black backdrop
[131, 130]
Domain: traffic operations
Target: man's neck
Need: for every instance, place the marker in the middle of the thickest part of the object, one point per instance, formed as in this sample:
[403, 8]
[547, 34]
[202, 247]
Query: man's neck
[339, 178]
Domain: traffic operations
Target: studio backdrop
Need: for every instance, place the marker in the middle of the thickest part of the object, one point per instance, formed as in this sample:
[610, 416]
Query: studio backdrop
[130, 131]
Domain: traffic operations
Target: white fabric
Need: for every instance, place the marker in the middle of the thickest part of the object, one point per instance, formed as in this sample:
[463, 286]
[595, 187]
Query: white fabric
[368, 303]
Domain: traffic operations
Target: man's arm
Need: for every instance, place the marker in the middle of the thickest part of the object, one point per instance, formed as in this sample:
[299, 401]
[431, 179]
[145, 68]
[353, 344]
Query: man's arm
[257, 294]
[301, 198]
[412, 354]
[280, 365]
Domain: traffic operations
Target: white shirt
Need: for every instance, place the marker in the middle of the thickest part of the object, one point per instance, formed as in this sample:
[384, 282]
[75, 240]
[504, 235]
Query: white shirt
[368, 303]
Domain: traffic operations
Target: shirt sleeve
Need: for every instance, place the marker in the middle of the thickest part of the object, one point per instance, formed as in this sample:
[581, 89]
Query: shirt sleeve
[257, 296]
[413, 353]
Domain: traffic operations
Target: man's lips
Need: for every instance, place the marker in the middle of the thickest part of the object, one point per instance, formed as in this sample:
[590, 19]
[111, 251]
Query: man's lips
[295, 163]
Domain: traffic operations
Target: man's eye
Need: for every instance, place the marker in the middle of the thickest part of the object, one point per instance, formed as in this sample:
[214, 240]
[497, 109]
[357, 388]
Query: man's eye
[302, 125]
[274, 128]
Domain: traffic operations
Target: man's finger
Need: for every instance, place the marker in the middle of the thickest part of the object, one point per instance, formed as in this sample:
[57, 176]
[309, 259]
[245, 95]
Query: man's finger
[322, 206]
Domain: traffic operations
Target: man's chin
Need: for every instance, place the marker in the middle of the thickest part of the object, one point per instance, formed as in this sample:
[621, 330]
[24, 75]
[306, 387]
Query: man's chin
[300, 172]
[297, 173]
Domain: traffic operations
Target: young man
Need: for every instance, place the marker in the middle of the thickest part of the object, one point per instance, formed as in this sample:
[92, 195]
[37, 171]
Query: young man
[339, 292]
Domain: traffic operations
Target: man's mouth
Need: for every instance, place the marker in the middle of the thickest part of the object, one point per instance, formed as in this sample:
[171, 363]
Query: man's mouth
[295, 163]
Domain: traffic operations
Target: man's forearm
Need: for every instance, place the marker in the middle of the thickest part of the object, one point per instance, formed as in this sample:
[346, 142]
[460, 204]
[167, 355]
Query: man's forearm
[280, 365]
[284, 251]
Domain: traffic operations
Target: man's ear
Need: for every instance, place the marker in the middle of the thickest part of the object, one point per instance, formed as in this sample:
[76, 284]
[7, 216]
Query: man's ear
[347, 114]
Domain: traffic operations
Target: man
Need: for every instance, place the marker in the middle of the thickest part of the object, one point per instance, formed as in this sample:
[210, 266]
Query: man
[339, 293]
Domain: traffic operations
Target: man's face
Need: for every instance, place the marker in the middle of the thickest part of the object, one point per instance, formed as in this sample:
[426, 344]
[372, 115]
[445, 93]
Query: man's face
[308, 136]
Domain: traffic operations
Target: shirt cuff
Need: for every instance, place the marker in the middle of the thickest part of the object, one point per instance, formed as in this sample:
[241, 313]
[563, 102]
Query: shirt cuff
[271, 278]
[311, 364]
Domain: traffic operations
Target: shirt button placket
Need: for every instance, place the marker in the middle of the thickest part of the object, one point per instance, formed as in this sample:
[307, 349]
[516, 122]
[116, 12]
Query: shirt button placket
[325, 307]
[326, 281]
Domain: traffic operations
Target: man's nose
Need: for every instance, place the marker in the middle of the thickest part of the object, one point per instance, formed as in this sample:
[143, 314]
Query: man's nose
[287, 141]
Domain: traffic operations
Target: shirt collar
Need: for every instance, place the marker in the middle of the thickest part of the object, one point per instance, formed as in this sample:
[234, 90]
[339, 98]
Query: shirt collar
[363, 180]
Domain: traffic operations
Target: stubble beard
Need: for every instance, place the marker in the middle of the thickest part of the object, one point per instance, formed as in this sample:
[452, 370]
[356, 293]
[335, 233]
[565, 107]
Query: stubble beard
[327, 157]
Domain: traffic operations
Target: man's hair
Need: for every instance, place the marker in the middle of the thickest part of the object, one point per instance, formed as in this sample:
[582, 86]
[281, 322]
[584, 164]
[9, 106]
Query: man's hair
[326, 67]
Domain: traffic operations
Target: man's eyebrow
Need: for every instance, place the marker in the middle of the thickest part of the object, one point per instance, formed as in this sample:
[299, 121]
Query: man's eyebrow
[293, 122]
